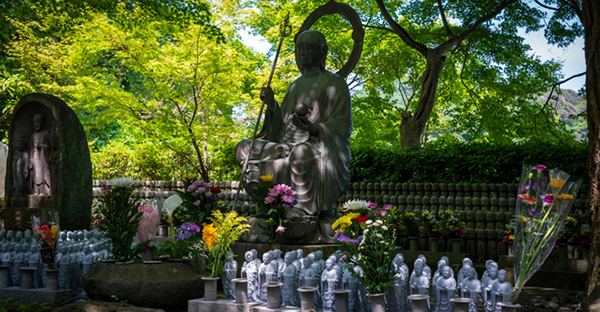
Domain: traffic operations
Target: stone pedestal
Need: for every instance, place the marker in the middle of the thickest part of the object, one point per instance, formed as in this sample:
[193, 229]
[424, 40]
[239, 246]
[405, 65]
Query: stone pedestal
[27, 277]
[307, 297]
[461, 304]
[201, 305]
[241, 290]
[341, 300]
[419, 303]
[273, 294]
[39, 295]
[51, 279]
[4, 275]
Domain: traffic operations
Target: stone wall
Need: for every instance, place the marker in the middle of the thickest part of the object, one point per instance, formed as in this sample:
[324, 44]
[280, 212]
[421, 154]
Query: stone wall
[485, 208]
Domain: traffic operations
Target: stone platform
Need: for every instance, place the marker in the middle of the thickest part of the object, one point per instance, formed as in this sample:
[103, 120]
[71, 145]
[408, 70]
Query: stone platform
[572, 274]
[39, 295]
[221, 305]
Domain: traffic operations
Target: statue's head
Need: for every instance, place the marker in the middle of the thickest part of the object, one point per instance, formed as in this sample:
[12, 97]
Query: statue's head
[19, 236]
[471, 273]
[329, 263]
[293, 254]
[28, 239]
[502, 276]
[277, 253]
[494, 271]
[400, 258]
[80, 235]
[467, 261]
[5, 247]
[35, 248]
[63, 235]
[318, 255]
[1, 234]
[86, 249]
[441, 264]
[267, 257]
[17, 248]
[422, 257]
[299, 253]
[289, 257]
[418, 268]
[9, 235]
[229, 255]
[308, 261]
[21, 143]
[38, 122]
[254, 254]
[446, 272]
[311, 50]
[92, 247]
[488, 263]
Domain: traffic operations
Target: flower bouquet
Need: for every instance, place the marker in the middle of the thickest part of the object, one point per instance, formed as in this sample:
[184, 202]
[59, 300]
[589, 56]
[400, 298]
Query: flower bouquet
[199, 199]
[45, 228]
[545, 197]
[373, 252]
[146, 231]
[569, 232]
[350, 225]
[275, 209]
[180, 245]
[121, 217]
[429, 225]
[410, 222]
[452, 227]
[218, 237]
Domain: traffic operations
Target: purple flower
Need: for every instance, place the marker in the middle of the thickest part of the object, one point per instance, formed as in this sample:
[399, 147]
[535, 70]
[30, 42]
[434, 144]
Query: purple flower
[280, 229]
[274, 193]
[191, 188]
[381, 212]
[553, 210]
[196, 203]
[388, 206]
[186, 230]
[200, 190]
[269, 199]
[342, 257]
[288, 198]
[539, 168]
[284, 189]
[525, 188]
[344, 239]
[106, 189]
[208, 194]
[548, 200]
[372, 205]
[289, 215]
[533, 212]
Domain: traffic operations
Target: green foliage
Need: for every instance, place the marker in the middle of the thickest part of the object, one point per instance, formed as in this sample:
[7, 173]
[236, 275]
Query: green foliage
[459, 162]
[120, 220]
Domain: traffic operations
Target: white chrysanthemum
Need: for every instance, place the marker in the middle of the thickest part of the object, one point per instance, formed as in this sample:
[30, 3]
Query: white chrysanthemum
[382, 242]
[369, 222]
[121, 182]
[379, 235]
[375, 224]
[384, 228]
[379, 221]
[366, 231]
[355, 204]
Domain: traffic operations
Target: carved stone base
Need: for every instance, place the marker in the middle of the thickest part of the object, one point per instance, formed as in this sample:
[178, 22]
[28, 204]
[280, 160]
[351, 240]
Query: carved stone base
[200, 305]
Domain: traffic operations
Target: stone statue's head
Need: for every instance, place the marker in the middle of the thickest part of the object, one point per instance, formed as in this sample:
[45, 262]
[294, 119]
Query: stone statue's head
[329, 263]
[471, 273]
[299, 253]
[19, 235]
[92, 247]
[418, 267]
[294, 254]
[17, 248]
[267, 257]
[446, 272]
[11, 247]
[248, 255]
[422, 257]
[467, 261]
[39, 123]
[311, 50]
[254, 254]
[63, 249]
[1, 234]
[9, 235]
[502, 276]
[28, 239]
[399, 258]
[277, 253]
[63, 235]
[487, 263]
[229, 255]
[441, 264]
[319, 255]
[80, 235]
[289, 257]
[308, 261]
[493, 271]
[21, 143]
[5, 247]
[35, 248]
[86, 249]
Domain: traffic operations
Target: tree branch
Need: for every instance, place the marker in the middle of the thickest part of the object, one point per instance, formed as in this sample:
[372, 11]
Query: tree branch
[443, 14]
[401, 31]
[554, 87]
[448, 45]
[545, 6]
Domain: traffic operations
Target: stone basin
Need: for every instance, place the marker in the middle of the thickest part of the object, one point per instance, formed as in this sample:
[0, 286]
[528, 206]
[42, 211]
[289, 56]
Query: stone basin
[165, 285]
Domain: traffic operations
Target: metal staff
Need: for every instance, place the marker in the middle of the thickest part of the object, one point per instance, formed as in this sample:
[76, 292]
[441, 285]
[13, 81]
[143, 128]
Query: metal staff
[285, 29]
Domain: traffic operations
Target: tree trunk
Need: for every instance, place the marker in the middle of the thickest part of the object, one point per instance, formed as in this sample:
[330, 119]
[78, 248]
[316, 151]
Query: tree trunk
[412, 126]
[591, 25]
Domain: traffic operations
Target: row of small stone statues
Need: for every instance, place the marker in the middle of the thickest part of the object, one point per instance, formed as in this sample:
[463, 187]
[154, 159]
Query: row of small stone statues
[76, 253]
[297, 271]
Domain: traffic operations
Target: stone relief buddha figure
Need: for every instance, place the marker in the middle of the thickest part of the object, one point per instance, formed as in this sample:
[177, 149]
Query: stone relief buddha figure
[290, 281]
[400, 272]
[487, 284]
[229, 272]
[502, 290]
[250, 272]
[21, 167]
[329, 283]
[471, 288]
[305, 141]
[267, 273]
[41, 154]
[445, 290]
[419, 283]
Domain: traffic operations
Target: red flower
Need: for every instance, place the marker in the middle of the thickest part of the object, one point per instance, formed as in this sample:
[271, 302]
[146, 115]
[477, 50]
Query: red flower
[362, 219]
[528, 199]
[215, 190]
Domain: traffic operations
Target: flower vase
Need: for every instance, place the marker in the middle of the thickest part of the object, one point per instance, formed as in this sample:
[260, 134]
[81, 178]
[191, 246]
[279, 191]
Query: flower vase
[419, 302]
[164, 230]
[414, 243]
[378, 302]
[210, 288]
[4, 275]
[435, 244]
[507, 307]
[307, 297]
[341, 300]
[563, 251]
[273, 294]
[510, 250]
[585, 251]
[461, 304]
[51, 279]
[241, 290]
[456, 245]
[147, 255]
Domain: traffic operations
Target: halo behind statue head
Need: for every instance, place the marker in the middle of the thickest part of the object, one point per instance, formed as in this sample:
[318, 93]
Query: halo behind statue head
[358, 33]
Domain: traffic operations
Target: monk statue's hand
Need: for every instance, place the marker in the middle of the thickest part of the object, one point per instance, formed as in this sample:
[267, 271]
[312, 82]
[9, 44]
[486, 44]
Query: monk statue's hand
[302, 123]
[266, 95]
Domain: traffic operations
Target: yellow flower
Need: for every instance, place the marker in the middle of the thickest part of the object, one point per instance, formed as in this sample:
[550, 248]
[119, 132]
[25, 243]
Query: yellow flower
[54, 231]
[565, 196]
[572, 220]
[344, 221]
[585, 232]
[266, 178]
[448, 211]
[189, 176]
[209, 236]
[557, 183]
[523, 219]
[425, 213]
[511, 236]
[410, 214]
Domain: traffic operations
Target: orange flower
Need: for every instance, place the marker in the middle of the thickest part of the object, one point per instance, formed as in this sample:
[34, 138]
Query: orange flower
[209, 236]
[528, 199]
[565, 196]
[557, 183]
